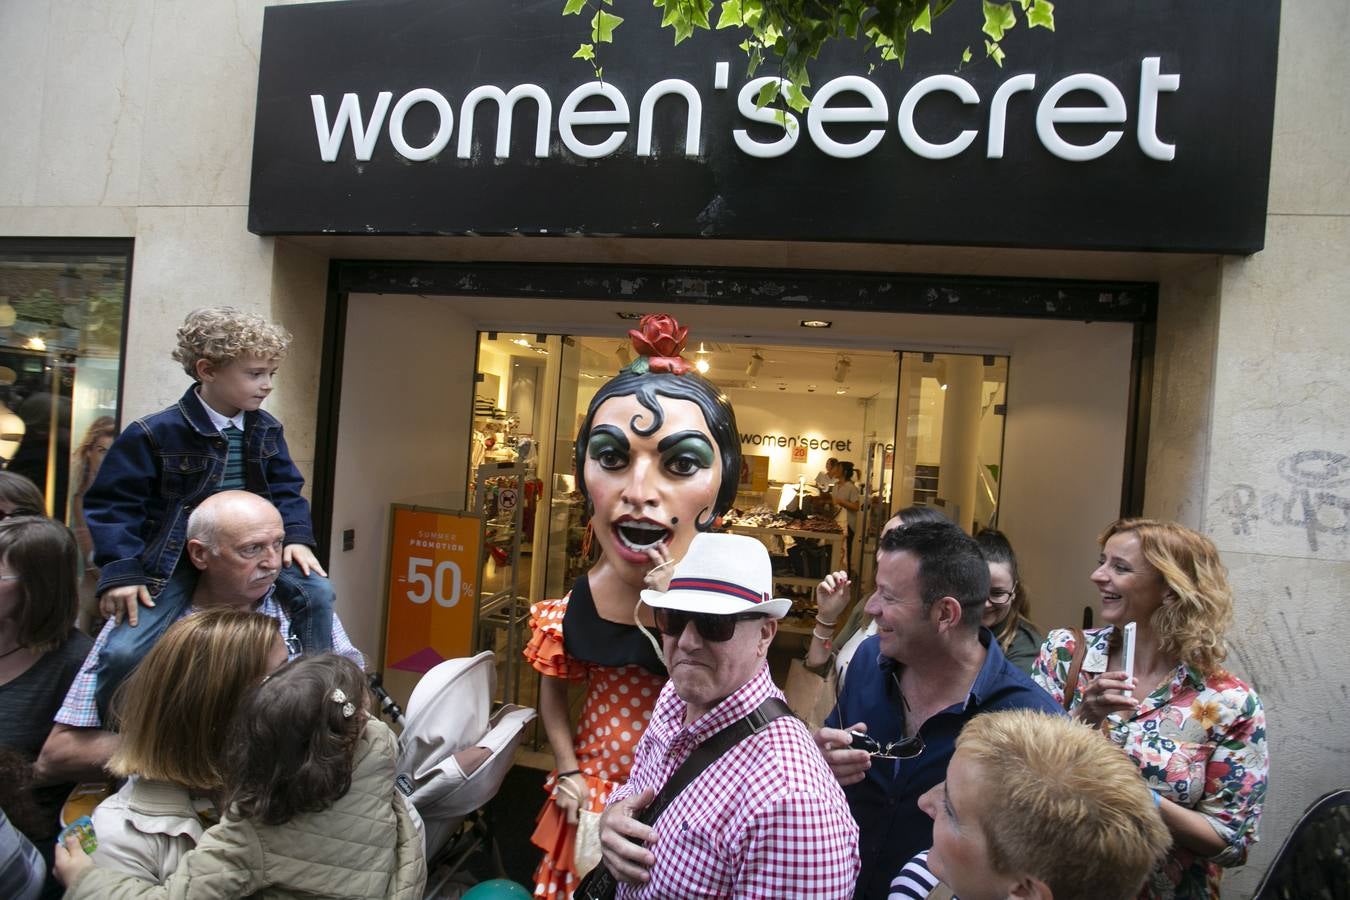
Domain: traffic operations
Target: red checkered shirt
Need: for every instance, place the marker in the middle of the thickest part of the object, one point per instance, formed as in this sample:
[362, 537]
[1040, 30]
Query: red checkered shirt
[767, 819]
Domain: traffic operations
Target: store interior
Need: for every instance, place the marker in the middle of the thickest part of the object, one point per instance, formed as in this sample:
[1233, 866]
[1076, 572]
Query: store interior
[1033, 417]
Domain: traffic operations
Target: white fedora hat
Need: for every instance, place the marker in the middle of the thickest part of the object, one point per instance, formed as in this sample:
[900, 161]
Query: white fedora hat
[722, 574]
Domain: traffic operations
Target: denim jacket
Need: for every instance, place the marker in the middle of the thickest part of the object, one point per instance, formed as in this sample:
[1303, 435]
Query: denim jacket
[160, 468]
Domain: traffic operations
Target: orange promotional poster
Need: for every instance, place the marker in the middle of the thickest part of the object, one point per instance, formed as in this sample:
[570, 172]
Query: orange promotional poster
[432, 590]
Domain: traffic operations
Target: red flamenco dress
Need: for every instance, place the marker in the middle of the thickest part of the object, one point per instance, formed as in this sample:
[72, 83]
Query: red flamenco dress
[624, 677]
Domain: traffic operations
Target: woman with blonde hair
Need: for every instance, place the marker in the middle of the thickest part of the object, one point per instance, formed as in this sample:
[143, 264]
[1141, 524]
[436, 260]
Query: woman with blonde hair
[1196, 732]
[175, 712]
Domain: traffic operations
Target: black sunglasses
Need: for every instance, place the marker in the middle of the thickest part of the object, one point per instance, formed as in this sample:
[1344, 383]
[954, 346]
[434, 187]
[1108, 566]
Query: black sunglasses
[906, 748]
[710, 627]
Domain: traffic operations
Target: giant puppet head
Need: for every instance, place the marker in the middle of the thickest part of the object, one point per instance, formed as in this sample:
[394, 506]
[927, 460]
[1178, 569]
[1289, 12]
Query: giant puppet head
[658, 454]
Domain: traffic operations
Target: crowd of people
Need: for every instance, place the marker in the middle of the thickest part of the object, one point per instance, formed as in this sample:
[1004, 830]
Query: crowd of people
[963, 753]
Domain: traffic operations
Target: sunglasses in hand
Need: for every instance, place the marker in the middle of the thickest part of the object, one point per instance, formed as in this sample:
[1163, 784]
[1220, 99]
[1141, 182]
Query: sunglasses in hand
[906, 748]
[710, 627]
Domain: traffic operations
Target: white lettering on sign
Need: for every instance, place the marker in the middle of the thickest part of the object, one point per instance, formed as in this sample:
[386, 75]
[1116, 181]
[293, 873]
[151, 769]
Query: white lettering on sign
[407, 102]
[692, 121]
[1050, 113]
[569, 118]
[506, 106]
[910, 135]
[745, 104]
[608, 107]
[1151, 83]
[819, 113]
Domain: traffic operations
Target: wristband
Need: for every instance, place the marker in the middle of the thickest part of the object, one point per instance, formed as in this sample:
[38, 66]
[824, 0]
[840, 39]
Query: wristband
[826, 624]
[1157, 798]
[567, 774]
[826, 639]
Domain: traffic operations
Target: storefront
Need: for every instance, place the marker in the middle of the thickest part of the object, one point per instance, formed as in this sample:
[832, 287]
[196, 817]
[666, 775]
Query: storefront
[1103, 217]
[1020, 403]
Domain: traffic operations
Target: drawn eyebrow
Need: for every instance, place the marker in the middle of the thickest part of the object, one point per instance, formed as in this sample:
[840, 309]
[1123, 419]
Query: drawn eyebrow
[605, 433]
[671, 440]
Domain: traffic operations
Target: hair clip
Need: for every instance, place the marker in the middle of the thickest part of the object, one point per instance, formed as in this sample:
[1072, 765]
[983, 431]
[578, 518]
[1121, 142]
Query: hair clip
[348, 708]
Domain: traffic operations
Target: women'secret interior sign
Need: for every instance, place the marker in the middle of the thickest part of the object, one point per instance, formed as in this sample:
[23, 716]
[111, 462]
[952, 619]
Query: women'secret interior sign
[834, 103]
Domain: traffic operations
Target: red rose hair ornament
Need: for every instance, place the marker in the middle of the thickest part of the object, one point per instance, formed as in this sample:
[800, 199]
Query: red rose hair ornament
[659, 340]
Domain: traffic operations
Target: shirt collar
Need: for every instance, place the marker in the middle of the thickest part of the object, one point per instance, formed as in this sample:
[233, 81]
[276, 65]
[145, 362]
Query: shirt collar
[735, 706]
[990, 678]
[217, 419]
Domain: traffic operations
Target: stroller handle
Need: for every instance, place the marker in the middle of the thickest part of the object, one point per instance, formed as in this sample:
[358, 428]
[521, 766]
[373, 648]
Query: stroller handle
[388, 707]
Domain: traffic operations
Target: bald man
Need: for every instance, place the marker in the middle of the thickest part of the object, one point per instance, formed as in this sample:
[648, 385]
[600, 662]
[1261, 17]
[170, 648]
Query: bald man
[234, 542]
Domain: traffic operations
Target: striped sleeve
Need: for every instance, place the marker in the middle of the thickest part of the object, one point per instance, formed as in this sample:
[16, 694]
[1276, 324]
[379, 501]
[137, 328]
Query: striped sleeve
[915, 881]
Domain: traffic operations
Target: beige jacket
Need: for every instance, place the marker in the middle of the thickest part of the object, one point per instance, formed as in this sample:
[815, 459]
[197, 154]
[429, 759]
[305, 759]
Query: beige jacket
[146, 828]
[364, 846]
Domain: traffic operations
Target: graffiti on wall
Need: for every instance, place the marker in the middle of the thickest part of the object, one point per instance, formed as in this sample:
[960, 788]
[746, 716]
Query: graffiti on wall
[1315, 500]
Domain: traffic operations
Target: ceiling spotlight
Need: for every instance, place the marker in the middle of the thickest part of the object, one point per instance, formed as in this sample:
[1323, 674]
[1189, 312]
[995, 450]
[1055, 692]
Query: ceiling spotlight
[756, 363]
[943, 386]
[810, 388]
[816, 323]
[702, 362]
[841, 390]
[782, 387]
[841, 367]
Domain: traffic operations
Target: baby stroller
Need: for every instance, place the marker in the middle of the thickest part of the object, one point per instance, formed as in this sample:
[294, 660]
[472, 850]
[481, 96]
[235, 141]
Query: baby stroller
[451, 710]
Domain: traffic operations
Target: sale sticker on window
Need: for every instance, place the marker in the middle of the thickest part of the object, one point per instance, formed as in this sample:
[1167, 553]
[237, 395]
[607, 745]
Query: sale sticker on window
[433, 586]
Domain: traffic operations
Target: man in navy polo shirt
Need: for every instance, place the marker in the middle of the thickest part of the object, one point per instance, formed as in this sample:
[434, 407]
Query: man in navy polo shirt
[911, 687]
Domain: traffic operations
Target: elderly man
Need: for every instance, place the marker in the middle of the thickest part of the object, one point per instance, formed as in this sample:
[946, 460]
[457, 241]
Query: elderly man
[911, 687]
[764, 818]
[234, 541]
[1037, 807]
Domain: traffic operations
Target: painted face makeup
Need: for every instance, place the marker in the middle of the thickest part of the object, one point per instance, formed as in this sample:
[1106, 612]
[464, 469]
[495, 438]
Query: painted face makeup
[649, 489]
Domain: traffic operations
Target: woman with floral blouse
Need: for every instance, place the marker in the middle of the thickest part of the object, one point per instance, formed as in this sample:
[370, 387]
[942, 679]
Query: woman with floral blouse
[1197, 732]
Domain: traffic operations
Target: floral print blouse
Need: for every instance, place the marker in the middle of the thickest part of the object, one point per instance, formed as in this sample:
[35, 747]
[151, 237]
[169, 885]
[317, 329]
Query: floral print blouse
[1200, 741]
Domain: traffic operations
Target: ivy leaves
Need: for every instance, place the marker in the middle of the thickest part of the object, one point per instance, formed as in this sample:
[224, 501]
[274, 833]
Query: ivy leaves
[795, 31]
[999, 17]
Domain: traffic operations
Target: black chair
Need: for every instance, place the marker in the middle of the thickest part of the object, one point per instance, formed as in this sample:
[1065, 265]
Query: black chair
[1314, 863]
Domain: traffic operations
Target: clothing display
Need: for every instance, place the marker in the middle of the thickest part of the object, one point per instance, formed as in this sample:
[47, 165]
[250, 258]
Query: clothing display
[885, 804]
[1199, 741]
[765, 820]
[623, 677]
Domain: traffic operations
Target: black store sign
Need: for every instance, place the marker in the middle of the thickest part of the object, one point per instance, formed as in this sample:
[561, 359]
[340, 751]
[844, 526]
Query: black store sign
[1138, 124]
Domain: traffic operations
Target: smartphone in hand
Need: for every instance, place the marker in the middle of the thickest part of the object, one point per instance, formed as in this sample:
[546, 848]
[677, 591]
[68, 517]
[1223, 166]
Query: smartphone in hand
[1128, 651]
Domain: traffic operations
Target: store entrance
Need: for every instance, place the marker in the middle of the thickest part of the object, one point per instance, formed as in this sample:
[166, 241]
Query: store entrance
[879, 430]
[1021, 422]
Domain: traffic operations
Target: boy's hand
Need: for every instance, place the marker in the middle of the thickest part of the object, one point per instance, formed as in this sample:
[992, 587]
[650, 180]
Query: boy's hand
[302, 556]
[114, 601]
[71, 861]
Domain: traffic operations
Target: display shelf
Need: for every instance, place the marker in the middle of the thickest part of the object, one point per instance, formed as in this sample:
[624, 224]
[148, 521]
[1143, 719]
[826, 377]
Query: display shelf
[834, 538]
[798, 627]
[796, 580]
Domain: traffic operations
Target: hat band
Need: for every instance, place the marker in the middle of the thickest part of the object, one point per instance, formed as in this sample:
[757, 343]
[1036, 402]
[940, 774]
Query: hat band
[713, 586]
